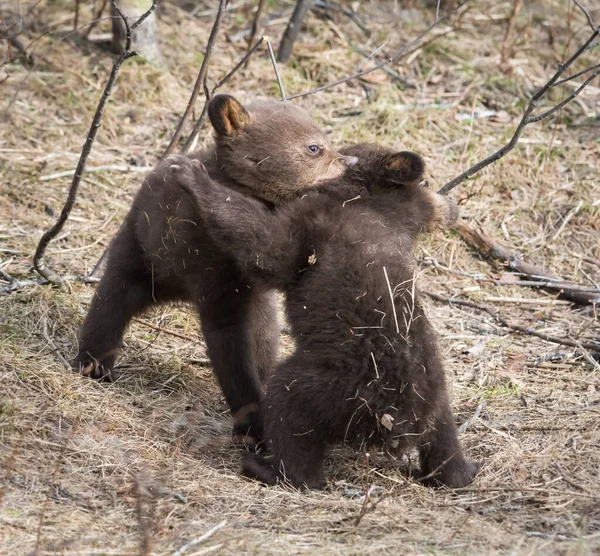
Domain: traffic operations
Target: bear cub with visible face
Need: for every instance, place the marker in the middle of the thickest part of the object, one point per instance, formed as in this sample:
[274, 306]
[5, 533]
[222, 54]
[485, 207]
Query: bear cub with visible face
[163, 251]
[366, 368]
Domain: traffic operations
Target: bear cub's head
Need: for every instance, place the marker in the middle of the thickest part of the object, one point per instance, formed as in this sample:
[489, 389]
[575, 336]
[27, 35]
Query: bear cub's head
[384, 172]
[271, 147]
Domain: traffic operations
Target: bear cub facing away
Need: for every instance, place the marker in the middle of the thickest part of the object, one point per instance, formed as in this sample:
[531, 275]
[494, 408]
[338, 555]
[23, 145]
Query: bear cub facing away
[163, 251]
[366, 368]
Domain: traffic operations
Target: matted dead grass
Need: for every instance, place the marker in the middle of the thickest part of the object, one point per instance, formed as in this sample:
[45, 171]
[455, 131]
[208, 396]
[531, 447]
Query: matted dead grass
[88, 467]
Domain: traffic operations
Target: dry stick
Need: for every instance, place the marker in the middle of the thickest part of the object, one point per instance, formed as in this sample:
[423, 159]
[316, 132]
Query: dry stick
[199, 80]
[592, 346]
[274, 61]
[403, 51]
[527, 117]
[192, 138]
[587, 15]
[38, 262]
[293, 28]
[257, 17]
[491, 250]
[201, 539]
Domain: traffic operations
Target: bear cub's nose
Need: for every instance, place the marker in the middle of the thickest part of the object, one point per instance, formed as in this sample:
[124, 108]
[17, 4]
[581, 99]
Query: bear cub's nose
[351, 161]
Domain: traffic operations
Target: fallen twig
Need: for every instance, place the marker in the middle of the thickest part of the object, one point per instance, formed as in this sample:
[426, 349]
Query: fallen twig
[539, 282]
[592, 346]
[201, 539]
[539, 277]
[15, 284]
[38, 262]
[199, 80]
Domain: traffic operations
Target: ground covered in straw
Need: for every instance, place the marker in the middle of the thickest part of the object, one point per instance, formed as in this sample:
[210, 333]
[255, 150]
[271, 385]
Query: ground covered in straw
[146, 464]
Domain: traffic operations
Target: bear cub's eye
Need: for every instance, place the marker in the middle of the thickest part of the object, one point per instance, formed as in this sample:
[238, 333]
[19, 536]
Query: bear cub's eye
[314, 149]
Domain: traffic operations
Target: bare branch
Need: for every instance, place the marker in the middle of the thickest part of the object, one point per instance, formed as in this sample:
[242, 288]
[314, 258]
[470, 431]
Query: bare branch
[402, 52]
[567, 100]
[48, 236]
[576, 75]
[192, 138]
[527, 117]
[199, 80]
[592, 346]
[259, 12]
[274, 61]
[587, 15]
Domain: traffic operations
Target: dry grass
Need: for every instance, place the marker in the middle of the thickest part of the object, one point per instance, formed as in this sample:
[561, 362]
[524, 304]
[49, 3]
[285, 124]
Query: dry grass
[88, 467]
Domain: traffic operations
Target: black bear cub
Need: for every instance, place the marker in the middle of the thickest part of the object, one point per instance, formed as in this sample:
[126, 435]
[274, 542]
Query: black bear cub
[366, 368]
[163, 251]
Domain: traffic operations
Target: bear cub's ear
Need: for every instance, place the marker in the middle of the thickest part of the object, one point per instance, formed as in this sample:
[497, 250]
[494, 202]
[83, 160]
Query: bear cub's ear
[227, 115]
[405, 167]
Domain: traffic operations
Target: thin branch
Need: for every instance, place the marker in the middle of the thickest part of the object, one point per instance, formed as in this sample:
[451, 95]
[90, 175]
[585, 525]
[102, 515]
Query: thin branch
[96, 18]
[567, 100]
[402, 52]
[587, 15]
[201, 539]
[274, 61]
[255, 24]
[38, 262]
[592, 346]
[199, 80]
[575, 75]
[192, 138]
[527, 117]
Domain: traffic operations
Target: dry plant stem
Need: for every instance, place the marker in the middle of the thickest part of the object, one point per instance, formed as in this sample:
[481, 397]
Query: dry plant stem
[15, 284]
[96, 18]
[257, 17]
[293, 28]
[506, 47]
[53, 345]
[488, 248]
[527, 117]
[38, 262]
[402, 52]
[201, 539]
[592, 346]
[274, 61]
[200, 79]
[192, 138]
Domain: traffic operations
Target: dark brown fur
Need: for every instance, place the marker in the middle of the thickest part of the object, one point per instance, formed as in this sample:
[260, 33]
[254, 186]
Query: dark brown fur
[163, 251]
[365, 370]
